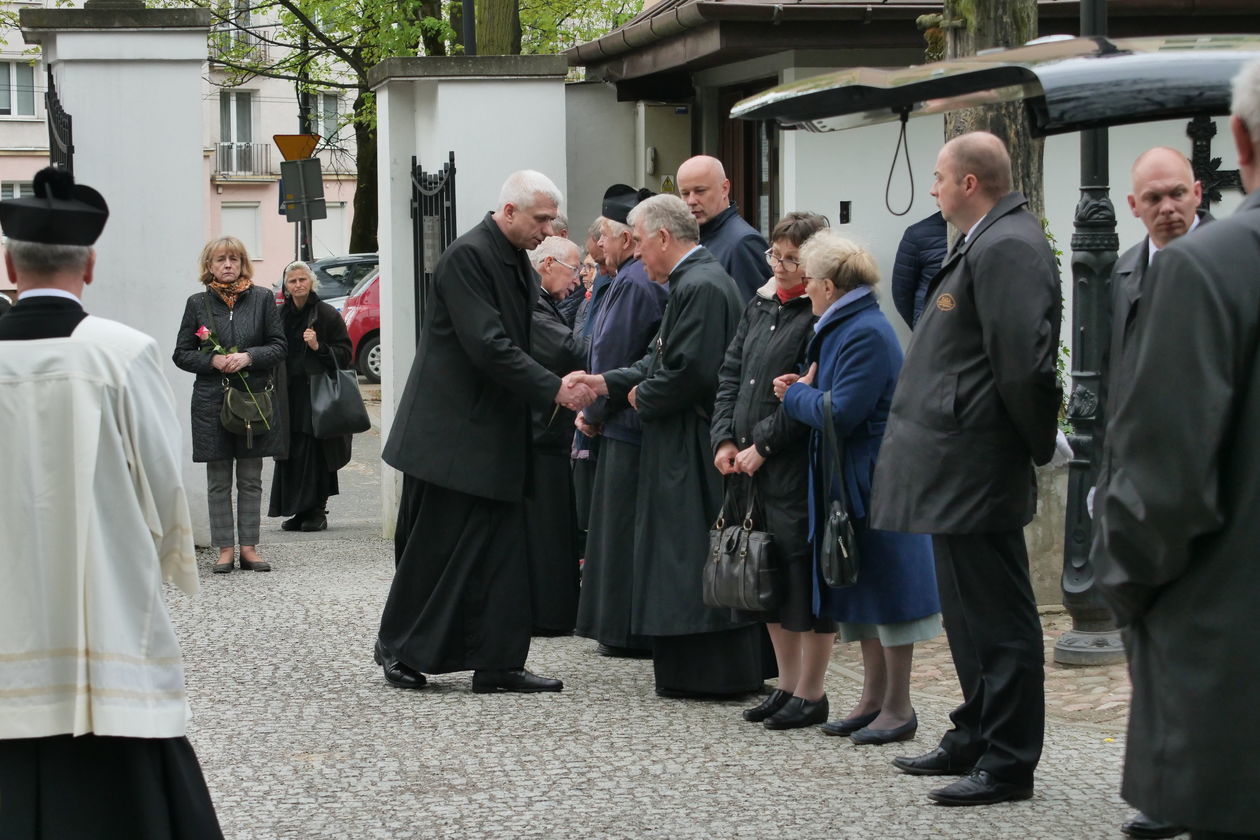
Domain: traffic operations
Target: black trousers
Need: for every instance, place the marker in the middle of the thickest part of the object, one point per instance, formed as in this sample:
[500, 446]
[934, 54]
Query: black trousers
[460, 598]
[995, 638]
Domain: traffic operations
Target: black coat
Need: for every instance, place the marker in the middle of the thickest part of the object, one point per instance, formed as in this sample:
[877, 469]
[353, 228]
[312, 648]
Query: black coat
[919, 257]
[556, 347]
[1181, 522]
[253, 325]
[739, 248]
[770, 340]
[464, 420]
[977, 402]
[335, 351]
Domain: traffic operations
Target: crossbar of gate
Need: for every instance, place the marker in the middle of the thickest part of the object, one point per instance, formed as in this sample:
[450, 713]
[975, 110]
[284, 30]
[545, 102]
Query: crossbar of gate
[433, 226]
[60, 130]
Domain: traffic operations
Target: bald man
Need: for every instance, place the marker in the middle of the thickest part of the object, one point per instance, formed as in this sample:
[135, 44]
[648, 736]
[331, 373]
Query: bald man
[736, 245]
[976, 406]
[1166, 198]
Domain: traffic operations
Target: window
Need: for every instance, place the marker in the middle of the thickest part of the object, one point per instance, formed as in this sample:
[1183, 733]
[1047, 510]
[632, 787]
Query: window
[16, 189]
[17, 89]
[236, 133]
[241, 219]
[325, 115]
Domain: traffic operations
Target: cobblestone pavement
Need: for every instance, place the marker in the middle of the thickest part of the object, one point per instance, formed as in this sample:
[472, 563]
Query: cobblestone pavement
[300, 737]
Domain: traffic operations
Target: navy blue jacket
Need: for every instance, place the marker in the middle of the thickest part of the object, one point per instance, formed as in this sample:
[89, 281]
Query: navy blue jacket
[919, 257]
[739, 248]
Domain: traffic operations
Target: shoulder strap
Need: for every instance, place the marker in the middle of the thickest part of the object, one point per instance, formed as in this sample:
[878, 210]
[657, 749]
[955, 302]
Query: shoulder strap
[832, 455]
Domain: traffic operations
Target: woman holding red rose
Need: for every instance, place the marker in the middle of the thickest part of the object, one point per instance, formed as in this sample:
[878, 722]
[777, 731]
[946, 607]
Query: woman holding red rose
[231, 337]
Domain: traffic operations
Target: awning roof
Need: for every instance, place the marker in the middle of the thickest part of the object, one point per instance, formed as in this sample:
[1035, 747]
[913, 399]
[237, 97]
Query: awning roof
[1068, 84]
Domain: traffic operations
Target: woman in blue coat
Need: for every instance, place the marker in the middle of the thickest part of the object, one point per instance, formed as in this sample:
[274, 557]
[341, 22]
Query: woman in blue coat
[855, 357]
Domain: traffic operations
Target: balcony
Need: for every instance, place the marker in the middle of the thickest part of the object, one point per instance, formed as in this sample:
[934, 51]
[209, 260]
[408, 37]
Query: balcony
[238, 46]
[233, 160]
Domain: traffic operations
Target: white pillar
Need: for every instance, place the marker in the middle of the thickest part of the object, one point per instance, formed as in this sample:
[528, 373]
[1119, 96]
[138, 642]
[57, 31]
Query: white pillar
[130, 78]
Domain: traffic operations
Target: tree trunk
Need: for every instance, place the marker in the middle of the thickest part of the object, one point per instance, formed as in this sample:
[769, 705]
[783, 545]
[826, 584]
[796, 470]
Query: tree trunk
[363, 225]
[433, 43]
[455, 17]
[498, 27]
[974, 25]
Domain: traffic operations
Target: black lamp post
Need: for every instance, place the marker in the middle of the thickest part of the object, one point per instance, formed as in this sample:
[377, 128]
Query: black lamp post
[1093, 639]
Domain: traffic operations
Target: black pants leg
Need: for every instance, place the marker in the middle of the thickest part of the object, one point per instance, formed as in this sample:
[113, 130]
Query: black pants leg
[995, 638]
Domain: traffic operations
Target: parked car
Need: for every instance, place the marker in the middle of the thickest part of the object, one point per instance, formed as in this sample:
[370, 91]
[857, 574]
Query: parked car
[362, 314]
[336, 276]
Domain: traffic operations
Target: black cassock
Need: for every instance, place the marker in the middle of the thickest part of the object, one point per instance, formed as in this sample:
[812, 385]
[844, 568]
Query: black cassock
[696, 649]
[550, 516]
[462, 437]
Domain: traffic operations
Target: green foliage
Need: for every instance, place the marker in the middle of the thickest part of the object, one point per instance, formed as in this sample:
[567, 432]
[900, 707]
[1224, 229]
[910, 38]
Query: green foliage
[1062, 363]
[553, 26]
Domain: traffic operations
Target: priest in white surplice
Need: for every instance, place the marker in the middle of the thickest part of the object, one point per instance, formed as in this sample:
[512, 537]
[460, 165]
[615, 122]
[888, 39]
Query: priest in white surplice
[93, 518]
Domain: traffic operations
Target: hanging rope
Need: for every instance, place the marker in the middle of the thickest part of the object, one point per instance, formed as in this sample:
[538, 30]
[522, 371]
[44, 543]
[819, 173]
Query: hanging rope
[902, 143]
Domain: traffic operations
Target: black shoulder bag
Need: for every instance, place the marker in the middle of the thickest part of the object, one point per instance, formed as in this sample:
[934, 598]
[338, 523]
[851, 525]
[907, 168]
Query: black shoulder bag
[740, 571]
[838, 552]
[337, 407]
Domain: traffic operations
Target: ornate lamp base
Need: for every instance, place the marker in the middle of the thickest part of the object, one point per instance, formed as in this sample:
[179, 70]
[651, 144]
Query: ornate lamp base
[1081, 647]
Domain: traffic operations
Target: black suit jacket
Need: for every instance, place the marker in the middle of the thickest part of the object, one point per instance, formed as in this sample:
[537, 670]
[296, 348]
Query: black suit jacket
[41, 317]
[977, 401]
[464, 418]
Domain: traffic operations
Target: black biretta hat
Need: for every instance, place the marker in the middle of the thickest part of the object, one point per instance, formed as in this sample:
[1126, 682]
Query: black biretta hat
[620, 199]
[60, 213]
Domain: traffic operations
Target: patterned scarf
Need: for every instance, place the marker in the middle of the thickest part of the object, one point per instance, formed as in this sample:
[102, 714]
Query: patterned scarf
[229, 292]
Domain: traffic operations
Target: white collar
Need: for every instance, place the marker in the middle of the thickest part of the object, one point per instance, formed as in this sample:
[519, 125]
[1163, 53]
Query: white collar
[61, 293]
[972, 229]
[684, 257]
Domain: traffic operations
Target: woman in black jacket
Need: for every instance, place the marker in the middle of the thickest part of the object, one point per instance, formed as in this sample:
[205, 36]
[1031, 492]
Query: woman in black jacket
[318, 343]
[230, 336]
[752, 435]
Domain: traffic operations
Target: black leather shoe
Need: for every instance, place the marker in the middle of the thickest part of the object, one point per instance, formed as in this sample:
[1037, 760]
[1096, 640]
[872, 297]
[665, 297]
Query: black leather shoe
[849, 725]
[516, 679]
[767, 707]
[317, 521]
[254, 565]
[905, 732]
[980, 788]
[798, 713]
[293, 523]
[396, 673]
[1142, 826]
[934, 763]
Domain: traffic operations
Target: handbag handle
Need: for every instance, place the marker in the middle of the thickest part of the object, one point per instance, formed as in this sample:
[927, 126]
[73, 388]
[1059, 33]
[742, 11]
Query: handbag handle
[726, 502]
[832, 454]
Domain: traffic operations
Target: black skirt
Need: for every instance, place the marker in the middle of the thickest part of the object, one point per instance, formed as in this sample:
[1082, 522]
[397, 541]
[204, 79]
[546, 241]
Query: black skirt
[98, 786]
[724, 663]
[303, 481]
[554, 577]
[459, 600]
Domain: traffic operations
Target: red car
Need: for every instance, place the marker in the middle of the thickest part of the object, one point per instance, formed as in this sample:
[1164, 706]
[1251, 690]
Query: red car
[362, 314]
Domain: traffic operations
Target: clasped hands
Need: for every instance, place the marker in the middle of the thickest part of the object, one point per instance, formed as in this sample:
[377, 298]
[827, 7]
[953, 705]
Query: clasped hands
[787, 380]
[230, 363]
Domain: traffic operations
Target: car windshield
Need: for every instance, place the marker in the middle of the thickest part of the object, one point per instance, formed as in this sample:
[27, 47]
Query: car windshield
[364, 282]
[340, 279]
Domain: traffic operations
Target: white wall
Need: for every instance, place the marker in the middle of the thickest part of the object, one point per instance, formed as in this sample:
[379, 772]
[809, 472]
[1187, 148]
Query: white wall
[600, 137]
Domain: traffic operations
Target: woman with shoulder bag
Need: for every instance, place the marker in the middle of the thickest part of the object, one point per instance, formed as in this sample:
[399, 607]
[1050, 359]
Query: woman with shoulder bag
[854, 361]
[318, 344]
[753, 436]
[230, 337]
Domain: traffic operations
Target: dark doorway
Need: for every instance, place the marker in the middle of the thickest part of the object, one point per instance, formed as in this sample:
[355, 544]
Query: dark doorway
[750, 152]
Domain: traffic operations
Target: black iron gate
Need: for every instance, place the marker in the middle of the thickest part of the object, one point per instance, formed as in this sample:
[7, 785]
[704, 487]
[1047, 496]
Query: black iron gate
[432, 225]
[60, 134]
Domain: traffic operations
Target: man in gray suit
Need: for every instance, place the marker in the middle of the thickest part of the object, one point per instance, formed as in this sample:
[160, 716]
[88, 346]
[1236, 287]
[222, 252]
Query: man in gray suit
[976, 406]
[1181, 517]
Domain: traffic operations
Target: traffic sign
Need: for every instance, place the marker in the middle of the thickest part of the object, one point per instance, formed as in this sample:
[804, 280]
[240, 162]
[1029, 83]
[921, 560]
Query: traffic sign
[296, 146]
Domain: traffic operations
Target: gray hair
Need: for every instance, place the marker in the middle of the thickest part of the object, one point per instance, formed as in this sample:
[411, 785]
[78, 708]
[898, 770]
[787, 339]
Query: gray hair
[829, 256]
[553, 246]
[615, 228]
[668, 213]
[524, 188]
[561, 222]
[44, 259]
[298, 265]
[596, 228]
[1246, 99]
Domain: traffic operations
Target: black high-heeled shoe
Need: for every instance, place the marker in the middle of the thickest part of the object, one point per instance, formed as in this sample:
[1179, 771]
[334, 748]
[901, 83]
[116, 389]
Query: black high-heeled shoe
[798, 713]
[767, 707]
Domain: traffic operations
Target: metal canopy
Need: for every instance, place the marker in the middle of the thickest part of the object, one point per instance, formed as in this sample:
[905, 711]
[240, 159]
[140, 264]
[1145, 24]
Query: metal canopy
[1068, 84]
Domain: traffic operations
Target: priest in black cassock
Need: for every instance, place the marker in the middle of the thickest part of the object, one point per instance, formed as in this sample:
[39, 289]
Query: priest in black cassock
[697, 651]
[551, 517]
[462, 438]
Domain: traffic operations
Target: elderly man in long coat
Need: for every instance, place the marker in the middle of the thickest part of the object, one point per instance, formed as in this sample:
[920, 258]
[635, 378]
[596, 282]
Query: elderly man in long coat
[697, 651]
[976, 406]
[462, 437]
[1181, 517]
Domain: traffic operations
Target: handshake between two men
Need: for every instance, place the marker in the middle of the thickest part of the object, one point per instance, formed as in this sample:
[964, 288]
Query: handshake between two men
[576, 391]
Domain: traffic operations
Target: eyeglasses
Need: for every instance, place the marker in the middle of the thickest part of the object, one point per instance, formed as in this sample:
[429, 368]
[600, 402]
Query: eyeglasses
[789, 265]
[574, 268]
[588, 268]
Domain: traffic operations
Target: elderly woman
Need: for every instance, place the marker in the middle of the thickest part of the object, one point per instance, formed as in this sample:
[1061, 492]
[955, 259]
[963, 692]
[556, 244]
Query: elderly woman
[230, 337]
[854, 360]
[318, 343]
[753, 435]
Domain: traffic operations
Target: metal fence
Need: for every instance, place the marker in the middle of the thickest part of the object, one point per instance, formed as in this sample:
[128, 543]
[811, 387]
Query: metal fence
[242, 159]
[433, 226]
[60, 130]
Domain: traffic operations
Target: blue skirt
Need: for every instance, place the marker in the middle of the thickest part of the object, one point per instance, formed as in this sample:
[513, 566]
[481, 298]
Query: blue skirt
[896, 580]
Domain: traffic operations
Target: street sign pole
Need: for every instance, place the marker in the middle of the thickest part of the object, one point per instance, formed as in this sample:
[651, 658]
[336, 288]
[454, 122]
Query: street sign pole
[301, 187]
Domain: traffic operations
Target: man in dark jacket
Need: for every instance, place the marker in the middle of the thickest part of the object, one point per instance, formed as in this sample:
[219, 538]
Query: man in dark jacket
[1180, 517]
[975, 407]
[919, 257]
[736, 245]
[629, 317]
[462, 437]
[1165, 197]
[696, 651]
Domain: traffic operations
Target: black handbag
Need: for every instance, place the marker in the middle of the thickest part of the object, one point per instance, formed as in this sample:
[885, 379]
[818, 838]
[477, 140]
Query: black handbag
[337, 406]
[838, 551]
[740, 571]
[247, 412]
